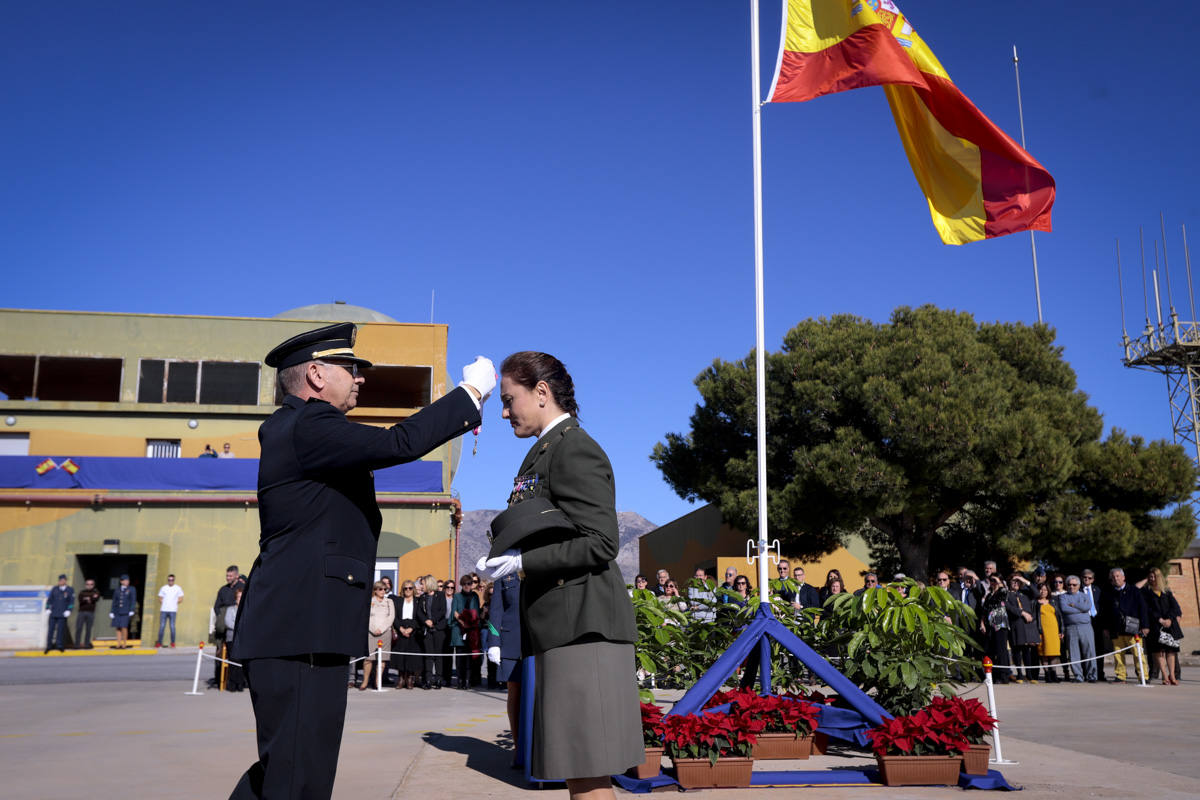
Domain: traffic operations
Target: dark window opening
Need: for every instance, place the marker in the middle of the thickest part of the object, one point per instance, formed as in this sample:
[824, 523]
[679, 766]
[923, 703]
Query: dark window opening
[181, 381]
[229, 383]
[151, 373]
[16, 377]
[396, 387]
[80, 379]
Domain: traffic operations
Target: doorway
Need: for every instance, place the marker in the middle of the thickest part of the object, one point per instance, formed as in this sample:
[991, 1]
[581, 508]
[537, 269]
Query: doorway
[106, 570]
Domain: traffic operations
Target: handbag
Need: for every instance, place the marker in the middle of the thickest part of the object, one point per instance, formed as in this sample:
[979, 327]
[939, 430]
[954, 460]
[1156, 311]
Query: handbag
[1167, 640]
[998, 618]
[1132, 625]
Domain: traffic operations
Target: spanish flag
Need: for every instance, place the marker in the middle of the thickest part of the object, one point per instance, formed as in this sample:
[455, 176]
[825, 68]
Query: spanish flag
[45, 466]
[70, 466]
[979, 183]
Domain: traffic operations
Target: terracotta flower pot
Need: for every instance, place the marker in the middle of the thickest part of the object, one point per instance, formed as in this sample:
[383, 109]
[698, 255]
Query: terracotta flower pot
[975, 760]
[650, 767]
[919, 770]
[782, 745]
[820, 743]
[728, 772]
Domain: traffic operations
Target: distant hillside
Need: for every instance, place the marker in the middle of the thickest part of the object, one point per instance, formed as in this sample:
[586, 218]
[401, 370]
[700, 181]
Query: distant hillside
[473, 541]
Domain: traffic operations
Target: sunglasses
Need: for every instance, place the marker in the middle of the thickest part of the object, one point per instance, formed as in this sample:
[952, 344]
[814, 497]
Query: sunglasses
[351, 368]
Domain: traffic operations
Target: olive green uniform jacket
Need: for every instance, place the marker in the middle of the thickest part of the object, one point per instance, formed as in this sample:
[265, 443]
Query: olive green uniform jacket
[572, 588]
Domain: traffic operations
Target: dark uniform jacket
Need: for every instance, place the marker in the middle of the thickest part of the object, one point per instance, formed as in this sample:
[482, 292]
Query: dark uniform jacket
[572, 588]
[506, 615]
[309, 589]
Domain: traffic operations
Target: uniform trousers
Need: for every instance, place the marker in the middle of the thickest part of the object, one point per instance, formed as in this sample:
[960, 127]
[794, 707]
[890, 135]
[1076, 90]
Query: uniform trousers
[299, 710]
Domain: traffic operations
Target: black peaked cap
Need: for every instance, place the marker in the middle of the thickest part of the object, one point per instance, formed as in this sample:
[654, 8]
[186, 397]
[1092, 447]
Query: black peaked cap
[333, 341]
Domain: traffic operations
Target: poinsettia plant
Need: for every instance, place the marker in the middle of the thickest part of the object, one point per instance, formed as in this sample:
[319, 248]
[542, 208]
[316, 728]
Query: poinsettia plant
[652, 725]
[711, 736]
[781, 714]
[968, 715]
[928, 732]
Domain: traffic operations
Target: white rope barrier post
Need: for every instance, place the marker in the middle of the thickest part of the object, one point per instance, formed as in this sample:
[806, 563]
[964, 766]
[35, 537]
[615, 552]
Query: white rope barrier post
[196, 677]
[1139, 662]
[991, 694]
[379, 666]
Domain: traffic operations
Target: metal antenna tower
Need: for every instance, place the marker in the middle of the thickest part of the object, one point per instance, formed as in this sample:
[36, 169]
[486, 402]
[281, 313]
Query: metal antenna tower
[1172, 347]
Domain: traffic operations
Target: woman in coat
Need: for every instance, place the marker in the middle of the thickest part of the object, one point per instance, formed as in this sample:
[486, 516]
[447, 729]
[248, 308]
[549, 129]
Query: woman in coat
[124, 606]
[993, 623]
[1050, 630]
[1164, 613]
[1023, 636]
[407, 643]
[379, 629]
[464, 634]
[577, 619]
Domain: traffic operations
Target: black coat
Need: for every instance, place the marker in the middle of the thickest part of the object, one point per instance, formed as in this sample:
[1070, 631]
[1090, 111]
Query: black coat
[309, 589]
[432, 607]
[1022, 632]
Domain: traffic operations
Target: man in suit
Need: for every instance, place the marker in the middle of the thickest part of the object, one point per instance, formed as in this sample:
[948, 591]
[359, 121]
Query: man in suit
[305, 608]
[807, 595]
[1096, 598]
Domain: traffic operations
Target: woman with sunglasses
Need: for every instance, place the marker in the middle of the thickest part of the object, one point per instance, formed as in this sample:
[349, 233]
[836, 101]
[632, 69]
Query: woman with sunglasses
[672, 599]
[408, 642]
[379, 628]
[576, 614]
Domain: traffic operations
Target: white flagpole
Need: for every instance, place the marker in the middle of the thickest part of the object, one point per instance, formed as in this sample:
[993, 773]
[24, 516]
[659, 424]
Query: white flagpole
[759, 336]
[1037, 286]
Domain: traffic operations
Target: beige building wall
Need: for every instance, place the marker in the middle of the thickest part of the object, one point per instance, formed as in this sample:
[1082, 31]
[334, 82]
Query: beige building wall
[193, 534]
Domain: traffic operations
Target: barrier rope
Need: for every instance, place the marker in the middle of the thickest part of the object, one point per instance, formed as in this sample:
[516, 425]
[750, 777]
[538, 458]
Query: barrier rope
[1055, 664]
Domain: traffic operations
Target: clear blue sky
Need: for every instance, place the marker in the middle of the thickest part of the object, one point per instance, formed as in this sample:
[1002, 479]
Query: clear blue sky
[574, 178]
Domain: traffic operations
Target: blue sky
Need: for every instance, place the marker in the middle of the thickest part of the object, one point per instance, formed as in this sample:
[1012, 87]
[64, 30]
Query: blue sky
[574, 178]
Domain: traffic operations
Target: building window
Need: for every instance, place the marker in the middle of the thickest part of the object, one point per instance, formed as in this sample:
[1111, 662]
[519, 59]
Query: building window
[208, 382]
[229, 383]
[68, 378]
[14, 444]
[162, 448]
[396, 387]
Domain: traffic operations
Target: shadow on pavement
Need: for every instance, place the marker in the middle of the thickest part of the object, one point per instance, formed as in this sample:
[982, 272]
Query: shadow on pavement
[488, 758]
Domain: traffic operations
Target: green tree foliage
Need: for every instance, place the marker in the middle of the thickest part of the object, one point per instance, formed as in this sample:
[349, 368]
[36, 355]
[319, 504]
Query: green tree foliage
[1105, 513]
[928, 427]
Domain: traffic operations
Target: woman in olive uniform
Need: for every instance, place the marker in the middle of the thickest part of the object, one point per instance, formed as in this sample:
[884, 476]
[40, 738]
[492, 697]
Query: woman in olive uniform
[576, 620]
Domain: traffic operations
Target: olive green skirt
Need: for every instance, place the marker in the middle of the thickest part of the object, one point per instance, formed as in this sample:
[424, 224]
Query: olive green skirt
[586, 718]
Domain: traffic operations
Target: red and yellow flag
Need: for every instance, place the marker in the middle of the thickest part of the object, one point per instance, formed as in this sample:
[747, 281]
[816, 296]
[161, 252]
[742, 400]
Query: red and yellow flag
[45, 466]
[70, 466]
[979, 183]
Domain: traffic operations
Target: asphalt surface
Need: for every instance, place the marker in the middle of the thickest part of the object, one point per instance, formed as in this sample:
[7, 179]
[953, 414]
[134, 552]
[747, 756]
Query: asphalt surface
[125, 726]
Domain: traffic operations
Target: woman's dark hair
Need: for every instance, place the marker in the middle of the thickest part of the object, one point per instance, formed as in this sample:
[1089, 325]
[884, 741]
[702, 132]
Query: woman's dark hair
[529, 366]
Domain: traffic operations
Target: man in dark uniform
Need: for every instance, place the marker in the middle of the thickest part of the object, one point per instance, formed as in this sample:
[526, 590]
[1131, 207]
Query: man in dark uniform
[306, 603]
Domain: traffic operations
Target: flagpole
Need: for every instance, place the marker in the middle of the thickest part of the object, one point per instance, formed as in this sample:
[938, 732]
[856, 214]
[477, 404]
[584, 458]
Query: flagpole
[1037, 287]
[759, 314]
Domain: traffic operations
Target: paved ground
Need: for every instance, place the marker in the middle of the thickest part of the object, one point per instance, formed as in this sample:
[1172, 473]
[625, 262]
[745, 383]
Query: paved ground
[108, 726]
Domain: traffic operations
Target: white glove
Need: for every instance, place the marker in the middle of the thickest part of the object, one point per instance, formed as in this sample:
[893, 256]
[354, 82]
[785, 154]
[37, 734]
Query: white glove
[502, 565]
[66, 613]
[110, 616]
[131, 613]
[494, 655]
[480, 374]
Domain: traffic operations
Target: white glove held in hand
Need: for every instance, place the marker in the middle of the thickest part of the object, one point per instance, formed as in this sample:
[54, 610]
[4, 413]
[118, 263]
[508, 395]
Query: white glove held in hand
[480, 374]
[494, 655]
[67, 613]
[110, 616]
[503, 565]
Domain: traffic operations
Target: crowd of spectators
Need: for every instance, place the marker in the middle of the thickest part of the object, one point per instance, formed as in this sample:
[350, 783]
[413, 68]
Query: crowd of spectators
[435, 632]
[1041, 626]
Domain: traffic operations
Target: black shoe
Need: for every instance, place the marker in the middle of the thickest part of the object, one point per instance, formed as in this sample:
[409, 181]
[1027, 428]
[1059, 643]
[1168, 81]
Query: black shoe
[47, 650]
